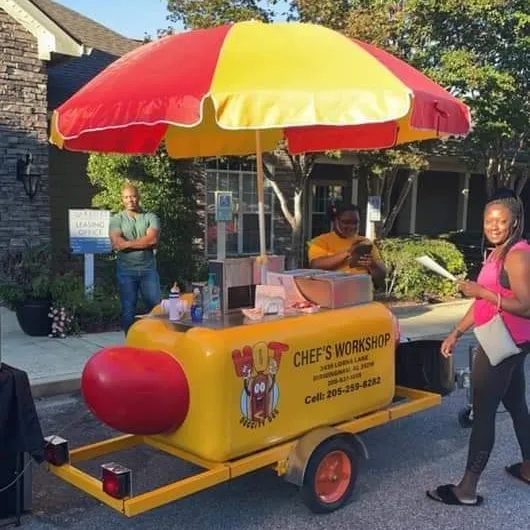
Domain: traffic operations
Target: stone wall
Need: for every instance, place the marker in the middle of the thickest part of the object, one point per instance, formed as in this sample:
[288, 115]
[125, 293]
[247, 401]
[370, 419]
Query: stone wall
[23, 129]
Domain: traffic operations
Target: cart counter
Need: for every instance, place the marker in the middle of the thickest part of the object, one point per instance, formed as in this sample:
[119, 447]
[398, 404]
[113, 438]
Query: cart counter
[232, 388]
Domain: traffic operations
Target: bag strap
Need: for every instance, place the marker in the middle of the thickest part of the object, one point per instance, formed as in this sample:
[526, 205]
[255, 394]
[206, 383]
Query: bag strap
[504, 279]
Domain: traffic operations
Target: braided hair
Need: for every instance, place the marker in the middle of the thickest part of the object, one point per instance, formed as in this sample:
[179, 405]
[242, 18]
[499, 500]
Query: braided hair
[509, 199]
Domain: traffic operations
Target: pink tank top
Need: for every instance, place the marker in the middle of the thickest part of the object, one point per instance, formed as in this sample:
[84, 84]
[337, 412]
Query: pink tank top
[484, 311]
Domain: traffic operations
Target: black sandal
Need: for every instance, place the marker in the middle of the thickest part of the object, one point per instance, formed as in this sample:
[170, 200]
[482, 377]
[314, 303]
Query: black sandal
[447, 495]
[515, 471]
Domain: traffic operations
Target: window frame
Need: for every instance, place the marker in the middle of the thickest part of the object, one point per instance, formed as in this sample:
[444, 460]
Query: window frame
[242, 174]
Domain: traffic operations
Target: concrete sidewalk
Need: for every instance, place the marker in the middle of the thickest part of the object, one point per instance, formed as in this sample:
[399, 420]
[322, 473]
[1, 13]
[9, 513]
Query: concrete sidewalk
[54, 366]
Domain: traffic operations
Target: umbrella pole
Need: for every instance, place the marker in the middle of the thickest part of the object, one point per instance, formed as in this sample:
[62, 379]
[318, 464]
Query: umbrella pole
[261, 209]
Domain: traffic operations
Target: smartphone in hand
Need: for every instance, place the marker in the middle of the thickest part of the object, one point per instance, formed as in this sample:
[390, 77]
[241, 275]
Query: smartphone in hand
[360, 250]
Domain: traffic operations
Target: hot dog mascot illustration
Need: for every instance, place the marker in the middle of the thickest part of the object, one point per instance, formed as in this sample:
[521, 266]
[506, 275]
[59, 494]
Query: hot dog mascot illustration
[258, 366]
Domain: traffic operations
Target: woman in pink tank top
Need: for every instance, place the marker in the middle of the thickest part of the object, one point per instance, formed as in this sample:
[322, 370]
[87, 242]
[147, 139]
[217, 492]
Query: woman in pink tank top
[504, 278]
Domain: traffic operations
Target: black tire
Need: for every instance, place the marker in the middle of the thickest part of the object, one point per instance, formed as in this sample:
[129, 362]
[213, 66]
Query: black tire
[310, 496]
[464, 418]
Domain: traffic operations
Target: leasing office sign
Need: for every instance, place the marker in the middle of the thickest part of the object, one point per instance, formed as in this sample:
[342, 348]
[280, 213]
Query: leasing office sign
[89, 231]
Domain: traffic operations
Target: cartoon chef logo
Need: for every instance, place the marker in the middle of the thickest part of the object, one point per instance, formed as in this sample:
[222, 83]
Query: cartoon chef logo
[258, 366]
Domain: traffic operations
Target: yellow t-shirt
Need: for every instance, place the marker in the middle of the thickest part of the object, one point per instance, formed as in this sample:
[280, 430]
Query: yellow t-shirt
[331, 243]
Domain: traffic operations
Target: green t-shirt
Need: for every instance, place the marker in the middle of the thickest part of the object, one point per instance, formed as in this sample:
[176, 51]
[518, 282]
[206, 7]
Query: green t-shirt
[134, 228]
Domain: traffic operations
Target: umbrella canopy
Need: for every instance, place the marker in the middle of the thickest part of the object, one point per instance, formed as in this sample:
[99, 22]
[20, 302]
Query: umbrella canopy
[207, 92]
[240, 88]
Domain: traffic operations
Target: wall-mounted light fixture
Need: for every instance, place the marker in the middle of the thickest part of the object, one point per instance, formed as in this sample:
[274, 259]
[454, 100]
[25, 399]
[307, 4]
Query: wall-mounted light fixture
[30, 181]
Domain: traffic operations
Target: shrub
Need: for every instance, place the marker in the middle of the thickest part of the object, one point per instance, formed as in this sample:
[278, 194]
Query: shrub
[170, 189]
[100, 312]
[472, 245]
[25, 274]
[90, 314]
[407, 279]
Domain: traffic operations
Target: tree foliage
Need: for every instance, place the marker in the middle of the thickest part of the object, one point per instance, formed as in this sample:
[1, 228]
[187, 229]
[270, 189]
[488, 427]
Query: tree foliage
[197, 14]
[381, 168]
[477, 49]
[381, 23]
[330, 13]
[481, 50]
[168, 188]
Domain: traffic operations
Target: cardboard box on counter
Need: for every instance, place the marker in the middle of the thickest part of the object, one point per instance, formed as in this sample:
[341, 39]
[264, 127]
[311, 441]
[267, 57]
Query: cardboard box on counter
[327, 289]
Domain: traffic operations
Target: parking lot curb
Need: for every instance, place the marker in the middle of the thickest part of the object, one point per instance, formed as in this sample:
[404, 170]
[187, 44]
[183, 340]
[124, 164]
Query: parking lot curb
[54, 386]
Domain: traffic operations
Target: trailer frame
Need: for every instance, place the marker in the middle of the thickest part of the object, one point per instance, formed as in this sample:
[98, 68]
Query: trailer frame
[407, 401]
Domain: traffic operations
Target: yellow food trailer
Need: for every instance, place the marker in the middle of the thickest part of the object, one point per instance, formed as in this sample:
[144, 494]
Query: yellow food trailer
[290, 392]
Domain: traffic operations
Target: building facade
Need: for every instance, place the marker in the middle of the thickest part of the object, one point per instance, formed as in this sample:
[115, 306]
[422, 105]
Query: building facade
[47, 52]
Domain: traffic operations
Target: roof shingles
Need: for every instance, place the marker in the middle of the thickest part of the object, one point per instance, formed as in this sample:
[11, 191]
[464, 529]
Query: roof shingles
[85, 30]
[65, 77]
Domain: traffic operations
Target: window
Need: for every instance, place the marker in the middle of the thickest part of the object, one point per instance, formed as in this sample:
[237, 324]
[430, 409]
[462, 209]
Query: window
[242, 235]
[323, 196]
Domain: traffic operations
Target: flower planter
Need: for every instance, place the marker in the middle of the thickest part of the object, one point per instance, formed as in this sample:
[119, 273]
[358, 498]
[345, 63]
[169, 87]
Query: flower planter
[32, 316]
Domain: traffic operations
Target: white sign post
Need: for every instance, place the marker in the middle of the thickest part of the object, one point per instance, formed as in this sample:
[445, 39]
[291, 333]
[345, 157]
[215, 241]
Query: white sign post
[89, 273]
[373, 215]
[224, 213]
[89, 235]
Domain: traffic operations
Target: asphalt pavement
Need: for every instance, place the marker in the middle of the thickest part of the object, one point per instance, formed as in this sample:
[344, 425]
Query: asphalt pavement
[406, 457]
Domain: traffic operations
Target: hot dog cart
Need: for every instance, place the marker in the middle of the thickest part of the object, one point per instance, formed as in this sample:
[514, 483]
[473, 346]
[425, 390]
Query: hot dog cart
[288, 391]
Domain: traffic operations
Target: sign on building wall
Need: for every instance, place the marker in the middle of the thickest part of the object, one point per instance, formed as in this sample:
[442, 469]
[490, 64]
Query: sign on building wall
[224, 210]
[89, 231]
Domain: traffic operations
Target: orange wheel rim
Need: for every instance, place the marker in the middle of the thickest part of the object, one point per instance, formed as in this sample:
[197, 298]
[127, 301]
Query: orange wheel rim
[333, 477]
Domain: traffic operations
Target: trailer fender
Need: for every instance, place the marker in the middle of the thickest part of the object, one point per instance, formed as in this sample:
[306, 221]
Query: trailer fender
[301, 453]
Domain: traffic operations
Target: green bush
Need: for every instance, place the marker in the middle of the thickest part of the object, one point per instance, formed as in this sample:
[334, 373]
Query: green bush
[91, 314]
[98, 313]
[472, 245]
[169, 188]
[25, 274]
[409, 280]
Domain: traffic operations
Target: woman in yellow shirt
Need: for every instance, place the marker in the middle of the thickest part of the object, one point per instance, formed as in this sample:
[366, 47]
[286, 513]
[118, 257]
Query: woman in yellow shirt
[343, 249]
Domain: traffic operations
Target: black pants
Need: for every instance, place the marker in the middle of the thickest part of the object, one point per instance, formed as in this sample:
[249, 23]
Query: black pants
[491, 385]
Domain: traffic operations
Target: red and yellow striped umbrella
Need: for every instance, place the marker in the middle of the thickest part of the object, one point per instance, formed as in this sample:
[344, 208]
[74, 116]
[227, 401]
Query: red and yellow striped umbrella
[241, 88]
[207, 92]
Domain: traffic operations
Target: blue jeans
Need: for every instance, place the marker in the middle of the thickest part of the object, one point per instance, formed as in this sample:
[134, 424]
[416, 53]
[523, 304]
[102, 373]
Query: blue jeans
[129, 283]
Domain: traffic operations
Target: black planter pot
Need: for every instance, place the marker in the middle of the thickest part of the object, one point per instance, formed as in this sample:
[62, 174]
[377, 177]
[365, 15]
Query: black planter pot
[32, 316]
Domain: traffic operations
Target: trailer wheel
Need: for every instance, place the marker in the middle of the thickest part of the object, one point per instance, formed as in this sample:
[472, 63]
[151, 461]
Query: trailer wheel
[330, 476]
[465, 418]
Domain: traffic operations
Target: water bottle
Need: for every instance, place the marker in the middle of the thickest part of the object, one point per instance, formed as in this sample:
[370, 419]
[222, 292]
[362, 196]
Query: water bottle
[174, 299]
[213, 299]
[196, 306]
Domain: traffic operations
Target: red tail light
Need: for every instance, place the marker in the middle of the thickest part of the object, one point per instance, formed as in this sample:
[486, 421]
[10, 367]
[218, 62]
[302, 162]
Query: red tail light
[56, 450]
[117, 480]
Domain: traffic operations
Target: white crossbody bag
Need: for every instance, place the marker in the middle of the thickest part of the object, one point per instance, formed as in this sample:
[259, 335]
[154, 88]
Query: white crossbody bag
[495, 339]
